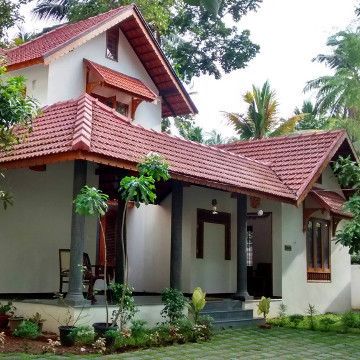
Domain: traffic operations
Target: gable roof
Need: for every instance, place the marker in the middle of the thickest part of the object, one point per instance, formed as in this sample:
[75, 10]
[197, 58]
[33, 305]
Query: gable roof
[297, 159]
[121, 81]
[87, 129]
[65, 38]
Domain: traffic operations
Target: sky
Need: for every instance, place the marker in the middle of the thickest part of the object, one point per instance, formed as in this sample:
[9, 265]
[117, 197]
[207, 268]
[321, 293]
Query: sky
[290, 34]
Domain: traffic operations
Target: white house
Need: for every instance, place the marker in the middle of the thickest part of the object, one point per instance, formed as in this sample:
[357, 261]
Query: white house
[246, 219]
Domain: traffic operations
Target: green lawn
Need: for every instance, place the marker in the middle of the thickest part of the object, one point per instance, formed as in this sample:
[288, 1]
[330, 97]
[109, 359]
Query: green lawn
[249, 343]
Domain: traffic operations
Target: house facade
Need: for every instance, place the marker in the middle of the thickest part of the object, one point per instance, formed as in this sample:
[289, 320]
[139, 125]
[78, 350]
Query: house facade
[246, 219]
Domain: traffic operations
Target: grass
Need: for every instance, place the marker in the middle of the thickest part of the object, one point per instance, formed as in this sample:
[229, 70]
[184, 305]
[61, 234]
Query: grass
[250, 343]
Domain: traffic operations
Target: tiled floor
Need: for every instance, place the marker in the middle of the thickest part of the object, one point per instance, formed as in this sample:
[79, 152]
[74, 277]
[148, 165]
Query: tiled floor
[250, 343]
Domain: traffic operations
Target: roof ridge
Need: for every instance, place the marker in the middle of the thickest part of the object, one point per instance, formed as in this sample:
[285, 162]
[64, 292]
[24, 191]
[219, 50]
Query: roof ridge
[83, 124]
[274, 138]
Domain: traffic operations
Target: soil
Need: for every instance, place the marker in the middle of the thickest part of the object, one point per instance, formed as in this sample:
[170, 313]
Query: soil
[18, 345]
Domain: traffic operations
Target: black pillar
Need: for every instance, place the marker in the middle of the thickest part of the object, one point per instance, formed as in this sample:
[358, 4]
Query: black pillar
[75, 293]
[241, 236]
[119, 258]
[176, 235]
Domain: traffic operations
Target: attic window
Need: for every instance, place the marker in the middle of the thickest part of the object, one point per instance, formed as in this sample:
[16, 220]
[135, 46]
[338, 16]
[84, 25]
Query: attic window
[112, 43]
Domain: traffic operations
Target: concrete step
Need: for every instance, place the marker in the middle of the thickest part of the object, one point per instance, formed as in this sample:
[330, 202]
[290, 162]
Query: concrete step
[229, 314]
[226, 304]
[237, 323]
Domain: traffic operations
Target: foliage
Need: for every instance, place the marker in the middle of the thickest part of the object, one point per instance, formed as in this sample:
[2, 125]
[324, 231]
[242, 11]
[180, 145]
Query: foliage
[129, 308]
[83, 335]
[141, 189]
[339, 94]
[138, 328]
[282, 310]
[264, 306]
[188, 129]
[10, 14]
[311, 311]
[261, 119]
[350, 320]
[196, 40]
[348, 174]
[91, 202]
[51, 346]
[198, 301]
[99, 345]
[27, 329]
[296, 319]
[326, 323]
[7, 309]
[37, 319]
[312, 119]
[175, 303]
[355, 259]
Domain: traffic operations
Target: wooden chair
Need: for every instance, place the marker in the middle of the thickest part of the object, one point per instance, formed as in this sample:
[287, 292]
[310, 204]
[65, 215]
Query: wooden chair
[91, 273]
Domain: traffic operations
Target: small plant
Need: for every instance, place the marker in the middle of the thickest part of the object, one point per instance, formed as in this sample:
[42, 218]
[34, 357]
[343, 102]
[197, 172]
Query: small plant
[37, 319]
[2, 339]
[7, 309]
[296, 319]
[100, 345]
[198, 302]
[326, 323]
[264, 307]
[83, 335]
[51, 346]
[138, 328]
[175, 303]
[27, 329]
[123, 295]
[282, 310]
[311, 311]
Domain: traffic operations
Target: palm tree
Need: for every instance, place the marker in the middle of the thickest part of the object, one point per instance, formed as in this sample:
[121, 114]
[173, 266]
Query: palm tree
[54, 9]
[312, 119]
[339, 94]
[262, 118]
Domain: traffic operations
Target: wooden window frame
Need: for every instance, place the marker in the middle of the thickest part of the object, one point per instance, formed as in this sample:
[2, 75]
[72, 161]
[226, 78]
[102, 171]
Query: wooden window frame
[315, 273]
[112, 35]
[221, 218]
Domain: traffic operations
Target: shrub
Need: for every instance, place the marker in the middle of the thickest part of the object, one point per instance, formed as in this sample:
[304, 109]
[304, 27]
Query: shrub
[174, 302]
[138, 328]
[326, 323]
[349, 320]
[7, 309]
[27, 329]
[295, 319]
[83, 335]
[311, 311]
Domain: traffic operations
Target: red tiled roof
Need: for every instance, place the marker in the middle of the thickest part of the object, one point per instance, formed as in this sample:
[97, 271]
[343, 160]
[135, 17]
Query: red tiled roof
[121, 81]
[332, 201]
[48, 42]
[99, 131]
[176, 100]
[296, 159]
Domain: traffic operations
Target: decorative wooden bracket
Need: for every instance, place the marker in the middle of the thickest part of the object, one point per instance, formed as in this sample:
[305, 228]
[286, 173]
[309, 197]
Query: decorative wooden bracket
[335, 222]
[38, 168]
[307, 212]
[135, 102]
[255, 202]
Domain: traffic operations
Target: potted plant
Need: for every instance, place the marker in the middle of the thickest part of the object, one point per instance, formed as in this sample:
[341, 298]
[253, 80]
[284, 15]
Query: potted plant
[264, 309]
[6, 310]
[15, 321]
[110, 337]
[36, 318]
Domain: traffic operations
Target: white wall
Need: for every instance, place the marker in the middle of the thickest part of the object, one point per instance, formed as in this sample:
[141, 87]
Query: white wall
[36, 82]
[36, 226]
[355, 287]
[67, 75]
[297, 292]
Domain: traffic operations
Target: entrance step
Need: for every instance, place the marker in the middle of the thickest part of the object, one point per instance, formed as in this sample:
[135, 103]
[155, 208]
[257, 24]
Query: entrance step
[229, 313]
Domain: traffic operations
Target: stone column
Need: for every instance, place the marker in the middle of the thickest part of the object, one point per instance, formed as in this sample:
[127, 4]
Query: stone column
[75, 294]
[241, 236]
[176, 235]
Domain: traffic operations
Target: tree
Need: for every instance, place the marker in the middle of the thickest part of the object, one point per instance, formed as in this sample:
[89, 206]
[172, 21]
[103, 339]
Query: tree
[262, 116]
[195, 38]
[339, 94]
[348, 173]
[215, 138]
[188, 129]
[16, 112]
[312, 119]
[9, 14]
